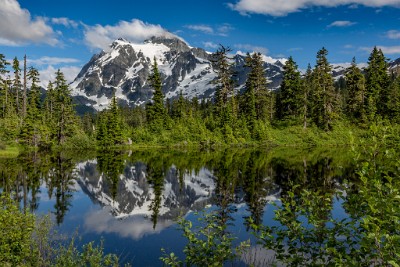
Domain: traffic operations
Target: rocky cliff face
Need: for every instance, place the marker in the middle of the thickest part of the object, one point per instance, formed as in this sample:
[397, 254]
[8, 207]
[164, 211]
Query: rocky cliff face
[125, 68]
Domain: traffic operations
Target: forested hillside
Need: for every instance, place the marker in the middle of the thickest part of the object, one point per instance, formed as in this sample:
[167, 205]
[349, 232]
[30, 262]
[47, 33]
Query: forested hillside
[306, 110]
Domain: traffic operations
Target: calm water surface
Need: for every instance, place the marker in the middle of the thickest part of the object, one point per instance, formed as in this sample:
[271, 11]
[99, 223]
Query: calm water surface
[132, 199]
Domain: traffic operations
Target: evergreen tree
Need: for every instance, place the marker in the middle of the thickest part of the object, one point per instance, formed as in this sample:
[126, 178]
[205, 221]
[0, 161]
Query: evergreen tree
[355, 83]
[63, 110]
[24, 96]
[102, 136]
[115, 125]
[377, 83]
[16, 84]
[290, 94]
[3, 85]
[324, 96]
[223, 107]
[180, 108]
[307, 85]
[30, 131]
[156, 112]
[249, 98]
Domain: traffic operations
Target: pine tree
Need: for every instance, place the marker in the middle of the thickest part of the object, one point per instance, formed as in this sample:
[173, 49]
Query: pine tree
[249, 98]
[102, 136]
[64, 117]
[324, 96]
[16, 84]
[114, 124]
[377, 83]
[156, 112]
[30, 131]
[224, 86]
[24, 96]
[307, 85]
[290, 94]
[355, 83]
[3, 85]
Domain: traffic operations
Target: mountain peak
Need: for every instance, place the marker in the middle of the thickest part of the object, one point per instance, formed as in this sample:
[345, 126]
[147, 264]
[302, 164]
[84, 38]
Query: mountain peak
[171, 41]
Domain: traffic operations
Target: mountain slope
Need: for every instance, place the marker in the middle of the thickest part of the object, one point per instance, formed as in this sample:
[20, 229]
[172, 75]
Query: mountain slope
[125, 68]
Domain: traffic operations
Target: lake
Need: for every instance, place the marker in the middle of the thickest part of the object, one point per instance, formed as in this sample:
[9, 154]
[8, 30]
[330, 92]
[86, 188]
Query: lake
[133, 199]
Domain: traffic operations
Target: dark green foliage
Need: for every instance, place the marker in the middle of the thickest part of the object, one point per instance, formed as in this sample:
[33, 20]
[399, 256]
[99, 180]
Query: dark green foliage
[16, 231]
[109, 126]
[377, 82]
[63, 114]
[224, 101]
[4, 88]
[355, 83]
[309, 234]
[156, 112]
[393, 105]
[31, 127]
[305, 98]
[16, 86]
[323, 93]
[248, 105]
[290, 94]
[208, 245]
[22, 243]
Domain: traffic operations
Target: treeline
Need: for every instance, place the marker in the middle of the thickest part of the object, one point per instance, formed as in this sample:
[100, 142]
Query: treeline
[311, 100]
[27, 118]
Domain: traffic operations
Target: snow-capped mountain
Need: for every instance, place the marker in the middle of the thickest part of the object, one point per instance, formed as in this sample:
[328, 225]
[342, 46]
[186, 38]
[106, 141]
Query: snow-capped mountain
[125, 68]
[134, 195]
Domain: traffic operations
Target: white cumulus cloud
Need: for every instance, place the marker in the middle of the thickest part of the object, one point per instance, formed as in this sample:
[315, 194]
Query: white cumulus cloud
[65, 22]
[251, 48]
[393, 34]
[49, 74]
[210, 45]
[221, 30]
[99, 36]
[52, 61]
[341, 23]
[201, 28]
[17, 27]
[284, 7]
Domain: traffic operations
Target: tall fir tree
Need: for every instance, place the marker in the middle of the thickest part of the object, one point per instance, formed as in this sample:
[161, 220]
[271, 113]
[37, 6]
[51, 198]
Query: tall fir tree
[17, 85]
[24, 94]
[115, 123]
[305, 100]
[156, 112]
[290, 94]
[248, 104]
[355, 83]
[30, 130]
[3, 85]
[377, 83]
[324, 95]
[64, 116]
[224, 107]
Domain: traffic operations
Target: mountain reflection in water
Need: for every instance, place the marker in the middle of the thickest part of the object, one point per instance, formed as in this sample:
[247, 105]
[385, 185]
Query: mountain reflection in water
[120, 195]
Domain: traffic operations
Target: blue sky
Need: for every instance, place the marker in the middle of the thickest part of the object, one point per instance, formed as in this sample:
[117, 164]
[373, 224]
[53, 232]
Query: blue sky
[66, 33]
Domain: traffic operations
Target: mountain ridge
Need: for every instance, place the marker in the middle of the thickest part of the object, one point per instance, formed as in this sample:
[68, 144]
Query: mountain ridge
[124, 69]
